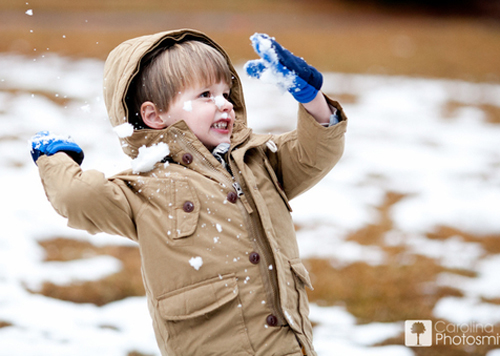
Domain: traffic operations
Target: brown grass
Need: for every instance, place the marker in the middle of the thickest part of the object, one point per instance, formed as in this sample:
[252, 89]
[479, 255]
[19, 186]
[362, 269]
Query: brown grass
[4, 324]
[491, 112]
[374, 233]
[384, 293]
[126, 283]
[491, 243]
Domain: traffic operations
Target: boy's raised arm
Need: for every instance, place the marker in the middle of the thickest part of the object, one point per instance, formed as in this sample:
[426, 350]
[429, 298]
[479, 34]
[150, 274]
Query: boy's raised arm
[87, 199]
[306, 155]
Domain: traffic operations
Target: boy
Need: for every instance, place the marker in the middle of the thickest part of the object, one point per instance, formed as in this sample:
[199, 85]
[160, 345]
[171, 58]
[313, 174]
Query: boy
[220, 260]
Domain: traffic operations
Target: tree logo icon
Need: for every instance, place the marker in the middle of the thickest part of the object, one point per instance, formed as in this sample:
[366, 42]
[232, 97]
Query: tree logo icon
[418, 333]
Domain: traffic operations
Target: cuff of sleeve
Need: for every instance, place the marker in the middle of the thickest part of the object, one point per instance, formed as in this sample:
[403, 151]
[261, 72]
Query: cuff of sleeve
[334, 118]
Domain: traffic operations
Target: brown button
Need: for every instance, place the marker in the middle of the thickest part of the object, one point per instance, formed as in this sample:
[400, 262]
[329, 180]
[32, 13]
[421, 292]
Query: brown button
[187, 158]
[254, 258]
[272, 320]
[188, 207]
[232, 197]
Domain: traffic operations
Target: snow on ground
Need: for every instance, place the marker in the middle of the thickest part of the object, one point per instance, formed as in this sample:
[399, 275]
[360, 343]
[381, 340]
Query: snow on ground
[399, 139]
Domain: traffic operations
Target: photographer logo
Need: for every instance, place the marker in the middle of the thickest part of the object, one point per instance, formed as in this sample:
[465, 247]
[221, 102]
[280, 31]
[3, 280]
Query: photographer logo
[418, 333]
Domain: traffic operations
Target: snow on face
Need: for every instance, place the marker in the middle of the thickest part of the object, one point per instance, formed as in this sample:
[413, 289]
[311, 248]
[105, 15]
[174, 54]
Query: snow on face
[124, 130]
[149, 156]
[188, 106]
[219, 101]
[196, 262]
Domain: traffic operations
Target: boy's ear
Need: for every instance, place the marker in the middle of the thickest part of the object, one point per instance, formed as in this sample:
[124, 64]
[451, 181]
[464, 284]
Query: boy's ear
[151, 116]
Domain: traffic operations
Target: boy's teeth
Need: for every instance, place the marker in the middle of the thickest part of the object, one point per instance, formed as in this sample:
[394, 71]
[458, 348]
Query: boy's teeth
[220, 125]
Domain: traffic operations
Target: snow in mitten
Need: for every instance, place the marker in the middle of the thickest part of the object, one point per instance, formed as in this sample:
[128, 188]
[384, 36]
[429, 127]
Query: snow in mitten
[279, 66]
[45, 143]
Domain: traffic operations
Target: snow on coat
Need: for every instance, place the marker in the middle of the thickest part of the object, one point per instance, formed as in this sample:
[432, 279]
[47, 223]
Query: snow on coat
[220, 260]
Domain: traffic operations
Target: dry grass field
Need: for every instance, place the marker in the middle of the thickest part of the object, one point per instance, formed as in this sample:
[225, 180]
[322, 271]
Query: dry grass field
[334, 36]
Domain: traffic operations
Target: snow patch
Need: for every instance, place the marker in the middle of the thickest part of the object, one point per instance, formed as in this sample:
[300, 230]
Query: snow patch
[124, 130]
[196, 262]
[149, 156]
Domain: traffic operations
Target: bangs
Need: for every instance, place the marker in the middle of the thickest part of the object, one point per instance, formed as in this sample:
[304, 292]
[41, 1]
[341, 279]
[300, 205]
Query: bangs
[201, 69]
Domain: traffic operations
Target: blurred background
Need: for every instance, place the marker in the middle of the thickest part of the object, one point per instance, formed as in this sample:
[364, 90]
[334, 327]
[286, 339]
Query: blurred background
[406, 227]
[442, 38]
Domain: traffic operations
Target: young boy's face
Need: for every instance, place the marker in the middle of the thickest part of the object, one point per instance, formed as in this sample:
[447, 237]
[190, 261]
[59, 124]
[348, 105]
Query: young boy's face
[207, 112]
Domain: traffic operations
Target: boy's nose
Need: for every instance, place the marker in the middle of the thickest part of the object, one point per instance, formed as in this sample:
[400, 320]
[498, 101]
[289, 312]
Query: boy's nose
[228, 106]
[223, 104]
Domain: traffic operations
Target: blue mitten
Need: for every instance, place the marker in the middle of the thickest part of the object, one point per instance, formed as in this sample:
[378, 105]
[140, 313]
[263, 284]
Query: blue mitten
[279, 66]
[45, 143]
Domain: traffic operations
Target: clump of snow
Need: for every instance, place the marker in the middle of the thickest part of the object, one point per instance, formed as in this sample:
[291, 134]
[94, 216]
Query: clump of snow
[124, 130]
[40, 140]
[270, 73]
[196, 262]
[188, 106]
[149, 156]
[29, 12]
[219, 101]
[219, 227]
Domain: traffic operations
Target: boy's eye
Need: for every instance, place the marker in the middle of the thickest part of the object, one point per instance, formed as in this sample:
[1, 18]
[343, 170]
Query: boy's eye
[226, 96]
[205, 94]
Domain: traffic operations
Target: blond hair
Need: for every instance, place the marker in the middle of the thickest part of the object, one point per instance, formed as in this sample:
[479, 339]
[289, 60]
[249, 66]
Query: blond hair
[167, 71]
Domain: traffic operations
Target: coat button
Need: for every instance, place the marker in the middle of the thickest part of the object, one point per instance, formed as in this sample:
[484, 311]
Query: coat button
[272, 320]
[232, 197]
[254, 258]
[187, 158]
[188, 207]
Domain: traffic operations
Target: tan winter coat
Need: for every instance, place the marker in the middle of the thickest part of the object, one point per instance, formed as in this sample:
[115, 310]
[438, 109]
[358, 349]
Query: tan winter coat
[220, 260]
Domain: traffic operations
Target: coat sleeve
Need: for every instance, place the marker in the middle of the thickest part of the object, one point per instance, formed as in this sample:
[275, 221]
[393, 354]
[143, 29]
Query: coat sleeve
[305, 155]
[87, 199]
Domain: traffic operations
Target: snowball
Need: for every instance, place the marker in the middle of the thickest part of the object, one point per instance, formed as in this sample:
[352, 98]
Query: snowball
[29, 12]
[196, 262]
[124, 130]
[188, 106]
[149, 156]
[270, 74]
[38, 141]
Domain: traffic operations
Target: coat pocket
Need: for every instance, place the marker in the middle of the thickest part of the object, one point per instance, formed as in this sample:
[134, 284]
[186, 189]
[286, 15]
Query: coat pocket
[206, 319]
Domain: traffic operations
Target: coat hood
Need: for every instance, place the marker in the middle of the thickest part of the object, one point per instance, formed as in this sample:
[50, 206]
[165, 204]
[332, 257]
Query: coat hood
[124, 63]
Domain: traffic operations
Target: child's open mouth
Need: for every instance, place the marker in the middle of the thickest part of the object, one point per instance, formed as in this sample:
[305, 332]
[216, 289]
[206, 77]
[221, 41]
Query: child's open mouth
[221, 125]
